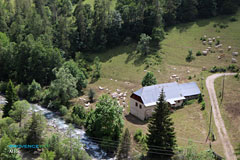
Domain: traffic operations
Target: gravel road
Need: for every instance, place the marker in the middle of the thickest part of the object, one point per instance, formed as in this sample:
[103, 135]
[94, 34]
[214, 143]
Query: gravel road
[227, 146]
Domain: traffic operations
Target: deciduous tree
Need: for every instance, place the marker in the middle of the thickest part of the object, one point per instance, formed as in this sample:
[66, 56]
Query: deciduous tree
[149, 79]
[19, 110]
[105, 121]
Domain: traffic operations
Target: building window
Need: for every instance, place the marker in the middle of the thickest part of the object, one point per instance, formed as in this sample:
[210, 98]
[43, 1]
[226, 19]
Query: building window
[136, 104]
[140, 106]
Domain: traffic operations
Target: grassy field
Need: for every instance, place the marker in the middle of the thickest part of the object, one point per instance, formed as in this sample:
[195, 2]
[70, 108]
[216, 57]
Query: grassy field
[123, 68]
[230, 106]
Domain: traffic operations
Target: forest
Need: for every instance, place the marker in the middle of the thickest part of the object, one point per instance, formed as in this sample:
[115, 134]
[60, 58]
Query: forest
[45, 47]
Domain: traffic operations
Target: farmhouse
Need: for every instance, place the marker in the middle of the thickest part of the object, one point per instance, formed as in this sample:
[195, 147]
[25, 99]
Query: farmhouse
[143, 101]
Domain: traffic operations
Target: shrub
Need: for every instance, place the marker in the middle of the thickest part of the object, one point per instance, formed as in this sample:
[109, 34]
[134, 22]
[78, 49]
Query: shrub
[189, 102]
[189, 77]
[63, 110]
[138, 135]
[233, 19]
[198, 53]
[215, 69]
[215, 25]
[200, 98]
[91, 95]
[237, 76]
[190, 57]
[217, 42]
[233, 68]
[223, 26]
[203, 39]
[203, 106]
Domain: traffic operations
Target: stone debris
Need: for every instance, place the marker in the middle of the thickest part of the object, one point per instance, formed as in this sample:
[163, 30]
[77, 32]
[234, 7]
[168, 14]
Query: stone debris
[116, 80]
[111, 79]
[101, 88]
[158, 71]
[174, 68]
[235, 53]
[204, 53]
[114, 95]
[118, 90]
[145, 70]
[204, 68]
[220, 50]
[234, 60]
[87, 104]
[188, 71]
[205, 36]
[229, 48]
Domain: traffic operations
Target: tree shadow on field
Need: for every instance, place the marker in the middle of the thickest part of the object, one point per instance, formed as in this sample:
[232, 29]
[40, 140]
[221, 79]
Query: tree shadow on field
[184, 27]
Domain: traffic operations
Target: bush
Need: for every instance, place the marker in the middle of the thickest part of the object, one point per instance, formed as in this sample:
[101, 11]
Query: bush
[200, 98]
[198, 53]
[203, 106]
[233, 68]
[138, 135]
[190, 57]
[233, 19]
[189, 102]
[91, 95]
[190, 77]
[63, 110]
[217, 42]
[203, 39]
[215, 69]
[237, 76]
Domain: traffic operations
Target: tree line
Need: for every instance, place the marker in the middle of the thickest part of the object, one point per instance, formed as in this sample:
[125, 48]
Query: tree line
[41, 35]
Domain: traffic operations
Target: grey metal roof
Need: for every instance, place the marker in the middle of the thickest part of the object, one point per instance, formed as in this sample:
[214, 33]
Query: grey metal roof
[189, 89]
[173, 91]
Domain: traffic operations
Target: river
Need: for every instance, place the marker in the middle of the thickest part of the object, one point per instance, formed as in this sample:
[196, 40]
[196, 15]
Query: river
[57, 122]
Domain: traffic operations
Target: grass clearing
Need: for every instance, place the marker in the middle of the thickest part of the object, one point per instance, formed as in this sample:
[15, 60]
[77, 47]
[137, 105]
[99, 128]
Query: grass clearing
[125, 65]
[230, 106]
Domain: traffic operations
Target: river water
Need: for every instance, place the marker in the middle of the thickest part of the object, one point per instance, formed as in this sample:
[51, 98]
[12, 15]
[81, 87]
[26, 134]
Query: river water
[57, 122]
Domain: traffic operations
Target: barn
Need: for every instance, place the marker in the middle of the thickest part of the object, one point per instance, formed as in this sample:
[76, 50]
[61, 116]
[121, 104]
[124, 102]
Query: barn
[143, 101]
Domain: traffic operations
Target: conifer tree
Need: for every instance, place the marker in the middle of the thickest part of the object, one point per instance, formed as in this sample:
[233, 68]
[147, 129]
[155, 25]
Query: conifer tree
[36, 128]
[11, 97]
[124, 147]
[161, 131]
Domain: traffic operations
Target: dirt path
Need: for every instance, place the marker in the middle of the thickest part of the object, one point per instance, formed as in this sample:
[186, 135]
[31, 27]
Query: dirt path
[227, 146]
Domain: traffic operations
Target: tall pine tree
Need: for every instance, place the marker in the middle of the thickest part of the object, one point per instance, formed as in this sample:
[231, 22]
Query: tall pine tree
[124, 147]
[11, 97]
[161, 131]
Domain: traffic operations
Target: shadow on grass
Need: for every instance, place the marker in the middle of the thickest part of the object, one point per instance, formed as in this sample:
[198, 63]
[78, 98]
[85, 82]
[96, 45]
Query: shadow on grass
[134, 120]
